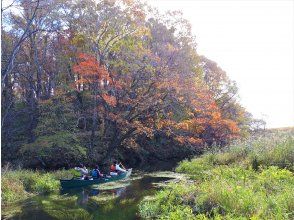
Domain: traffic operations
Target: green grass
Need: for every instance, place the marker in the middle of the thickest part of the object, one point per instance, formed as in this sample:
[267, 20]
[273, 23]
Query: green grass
[19, 184]
[249, 180]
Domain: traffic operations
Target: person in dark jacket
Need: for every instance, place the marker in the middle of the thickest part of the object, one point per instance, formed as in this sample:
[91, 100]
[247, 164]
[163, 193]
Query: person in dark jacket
[96, 172]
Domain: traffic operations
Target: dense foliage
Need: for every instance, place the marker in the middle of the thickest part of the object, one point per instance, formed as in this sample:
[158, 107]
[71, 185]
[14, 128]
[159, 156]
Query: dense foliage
[91, 80]
[252, 180]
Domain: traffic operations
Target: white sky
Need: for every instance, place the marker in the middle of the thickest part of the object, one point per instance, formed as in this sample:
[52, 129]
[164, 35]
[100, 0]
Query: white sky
[253, 42]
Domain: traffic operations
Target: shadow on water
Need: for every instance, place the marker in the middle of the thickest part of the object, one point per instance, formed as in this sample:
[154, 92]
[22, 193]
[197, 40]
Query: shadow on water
[116, 201]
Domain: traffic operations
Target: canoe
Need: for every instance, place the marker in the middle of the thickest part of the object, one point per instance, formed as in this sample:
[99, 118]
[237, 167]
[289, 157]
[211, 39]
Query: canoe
[80, 182]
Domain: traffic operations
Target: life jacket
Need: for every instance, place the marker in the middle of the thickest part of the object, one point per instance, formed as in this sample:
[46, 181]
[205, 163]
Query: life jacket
[112, 168]
[95, 173]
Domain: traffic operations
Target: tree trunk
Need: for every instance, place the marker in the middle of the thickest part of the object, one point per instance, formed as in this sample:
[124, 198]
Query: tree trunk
[94, 118]
[37, 65]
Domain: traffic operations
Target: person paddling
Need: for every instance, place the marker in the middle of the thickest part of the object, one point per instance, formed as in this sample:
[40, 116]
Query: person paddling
[116, 169]
[84, 171]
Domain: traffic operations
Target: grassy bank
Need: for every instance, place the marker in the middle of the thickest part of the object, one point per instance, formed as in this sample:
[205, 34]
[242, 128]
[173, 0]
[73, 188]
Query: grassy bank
[19, 184]
[249, 180]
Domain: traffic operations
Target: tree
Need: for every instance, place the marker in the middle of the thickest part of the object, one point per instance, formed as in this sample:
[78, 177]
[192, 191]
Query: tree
[118, 78]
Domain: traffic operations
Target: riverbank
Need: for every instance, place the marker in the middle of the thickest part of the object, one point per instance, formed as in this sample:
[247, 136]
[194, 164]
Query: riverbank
[253, 179]
[17, 185]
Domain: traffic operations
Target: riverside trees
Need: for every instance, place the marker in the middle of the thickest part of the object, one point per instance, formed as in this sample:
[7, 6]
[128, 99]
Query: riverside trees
[118, 78]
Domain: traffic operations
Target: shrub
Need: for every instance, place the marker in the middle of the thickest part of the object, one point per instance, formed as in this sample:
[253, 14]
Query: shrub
[18, 184]
[198, 168]
[171, 203]
[65, 174]
[45, 184]
[54, 151]
[11, 189]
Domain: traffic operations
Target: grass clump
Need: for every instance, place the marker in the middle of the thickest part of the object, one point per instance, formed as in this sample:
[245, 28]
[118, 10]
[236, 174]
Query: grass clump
[251, 180]
[11, 190]
[164, 203]
[229, 193]
[273, 149]
[46, 184]
[18, 184]
[65, 174]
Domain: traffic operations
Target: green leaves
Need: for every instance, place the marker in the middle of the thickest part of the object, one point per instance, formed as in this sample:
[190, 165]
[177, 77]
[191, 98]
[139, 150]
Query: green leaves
[62, 149]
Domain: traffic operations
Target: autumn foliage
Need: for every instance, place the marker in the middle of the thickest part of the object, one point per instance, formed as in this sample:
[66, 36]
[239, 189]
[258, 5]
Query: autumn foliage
[119, 79]
[204, 124]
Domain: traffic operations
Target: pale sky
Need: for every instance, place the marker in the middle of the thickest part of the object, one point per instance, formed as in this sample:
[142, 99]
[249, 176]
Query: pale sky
[253, 42]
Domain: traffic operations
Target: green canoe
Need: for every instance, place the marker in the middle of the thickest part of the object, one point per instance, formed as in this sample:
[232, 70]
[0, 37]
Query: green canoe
[80, 182]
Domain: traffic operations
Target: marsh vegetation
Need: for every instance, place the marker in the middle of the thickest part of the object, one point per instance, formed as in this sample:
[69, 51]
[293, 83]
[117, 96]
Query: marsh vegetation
[249, 180]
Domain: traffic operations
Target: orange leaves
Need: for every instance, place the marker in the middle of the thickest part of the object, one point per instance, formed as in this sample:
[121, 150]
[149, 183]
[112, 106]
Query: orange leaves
[110, 100]
[232, 127]
[194, 141]
[194, 125]
[90, 70]
[180, 139]
[163, 123]
[142, 129]
[188, 140]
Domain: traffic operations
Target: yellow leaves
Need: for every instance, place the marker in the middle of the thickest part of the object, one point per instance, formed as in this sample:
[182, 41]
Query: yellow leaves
[232, 126]
[78, 40]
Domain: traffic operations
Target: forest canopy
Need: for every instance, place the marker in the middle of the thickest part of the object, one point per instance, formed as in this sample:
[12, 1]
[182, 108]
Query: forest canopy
[94, 80]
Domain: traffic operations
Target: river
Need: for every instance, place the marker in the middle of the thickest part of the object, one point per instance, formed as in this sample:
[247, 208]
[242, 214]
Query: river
[113, 201]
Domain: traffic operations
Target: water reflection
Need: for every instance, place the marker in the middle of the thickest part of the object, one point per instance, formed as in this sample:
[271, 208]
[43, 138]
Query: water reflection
[83, 198]
[117, 201]
[119, 192]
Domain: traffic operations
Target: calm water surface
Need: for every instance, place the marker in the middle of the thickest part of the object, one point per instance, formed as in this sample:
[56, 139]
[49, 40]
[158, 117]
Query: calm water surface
[95, 202]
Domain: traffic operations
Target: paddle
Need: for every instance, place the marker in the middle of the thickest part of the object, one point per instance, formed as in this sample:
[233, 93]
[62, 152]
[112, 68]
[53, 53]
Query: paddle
[122, 166]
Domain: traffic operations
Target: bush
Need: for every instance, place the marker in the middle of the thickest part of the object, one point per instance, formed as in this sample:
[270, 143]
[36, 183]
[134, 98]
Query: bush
[170, 203]
[197, 168]
[65, 174]
[12, 189]
[45, 184]
[62, 149]
[18, 184]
